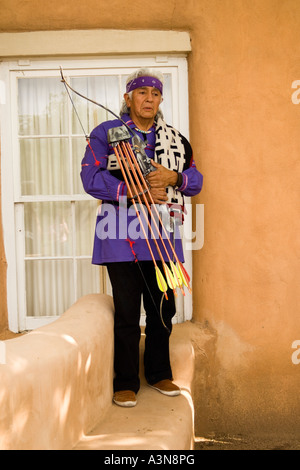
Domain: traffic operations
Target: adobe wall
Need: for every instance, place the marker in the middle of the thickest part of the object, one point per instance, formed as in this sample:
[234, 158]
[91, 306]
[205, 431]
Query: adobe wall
[244, 129]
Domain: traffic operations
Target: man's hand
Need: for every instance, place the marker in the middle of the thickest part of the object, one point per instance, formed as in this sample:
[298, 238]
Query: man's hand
[158, 180]
[159, 195]
[161, 177]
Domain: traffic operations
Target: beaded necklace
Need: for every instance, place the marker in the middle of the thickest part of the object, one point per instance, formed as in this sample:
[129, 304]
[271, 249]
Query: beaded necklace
[143, 132]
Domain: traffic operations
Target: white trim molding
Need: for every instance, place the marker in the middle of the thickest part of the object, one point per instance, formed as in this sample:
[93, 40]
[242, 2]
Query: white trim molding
[93, 42]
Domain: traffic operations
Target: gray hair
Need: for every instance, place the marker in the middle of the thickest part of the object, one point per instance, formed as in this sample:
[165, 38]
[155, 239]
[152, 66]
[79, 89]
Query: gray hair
[143, 72]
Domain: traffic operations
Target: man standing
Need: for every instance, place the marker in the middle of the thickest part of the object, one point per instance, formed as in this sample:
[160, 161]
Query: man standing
[128, 260]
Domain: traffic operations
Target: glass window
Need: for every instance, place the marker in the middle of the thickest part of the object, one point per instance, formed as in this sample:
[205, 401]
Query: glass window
[54, 217]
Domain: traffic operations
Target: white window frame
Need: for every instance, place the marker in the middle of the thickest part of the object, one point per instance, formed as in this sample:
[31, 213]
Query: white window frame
[12, 201]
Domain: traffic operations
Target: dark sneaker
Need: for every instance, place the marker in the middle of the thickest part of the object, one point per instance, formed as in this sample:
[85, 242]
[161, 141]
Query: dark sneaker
[125, 398]
[167, 387]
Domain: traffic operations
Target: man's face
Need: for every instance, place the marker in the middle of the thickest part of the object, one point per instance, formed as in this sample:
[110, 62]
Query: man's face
[144, 103]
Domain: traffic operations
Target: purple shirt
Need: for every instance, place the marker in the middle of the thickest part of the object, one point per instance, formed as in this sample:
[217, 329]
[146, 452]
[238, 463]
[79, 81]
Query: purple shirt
[118, 234]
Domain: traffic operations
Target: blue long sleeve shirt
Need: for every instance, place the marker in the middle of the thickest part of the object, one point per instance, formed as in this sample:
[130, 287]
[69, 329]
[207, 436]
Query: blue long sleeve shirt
[118, 234]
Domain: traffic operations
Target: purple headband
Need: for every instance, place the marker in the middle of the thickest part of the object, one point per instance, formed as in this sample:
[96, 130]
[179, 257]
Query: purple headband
[144, 81]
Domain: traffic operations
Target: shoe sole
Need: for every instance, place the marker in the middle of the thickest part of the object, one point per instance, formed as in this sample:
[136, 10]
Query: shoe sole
[125, 404]
[173, 393]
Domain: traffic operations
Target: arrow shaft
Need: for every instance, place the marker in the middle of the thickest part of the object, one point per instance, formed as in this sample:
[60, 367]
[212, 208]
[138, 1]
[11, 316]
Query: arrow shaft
[122, 164]
[151, 199]
[122, 159]
[131, 158]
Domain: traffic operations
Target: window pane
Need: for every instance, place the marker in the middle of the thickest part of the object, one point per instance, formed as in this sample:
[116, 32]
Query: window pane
[49, 287]
[78, 150]
[88, 278]
[85, 215]
[44, 166]
[104, 90]
[48, 229]
[42, 106]
[166, 105]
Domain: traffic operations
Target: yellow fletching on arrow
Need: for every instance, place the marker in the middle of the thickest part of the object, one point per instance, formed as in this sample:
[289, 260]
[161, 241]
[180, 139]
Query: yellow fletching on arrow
[161, 280]
[170, 279]
[177, 277]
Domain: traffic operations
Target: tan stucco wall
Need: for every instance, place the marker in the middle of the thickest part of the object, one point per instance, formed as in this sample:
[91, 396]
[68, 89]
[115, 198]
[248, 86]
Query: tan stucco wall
[247, 130]
[244, 129]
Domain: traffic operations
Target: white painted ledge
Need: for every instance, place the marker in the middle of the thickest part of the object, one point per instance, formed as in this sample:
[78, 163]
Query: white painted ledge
[93, 42]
